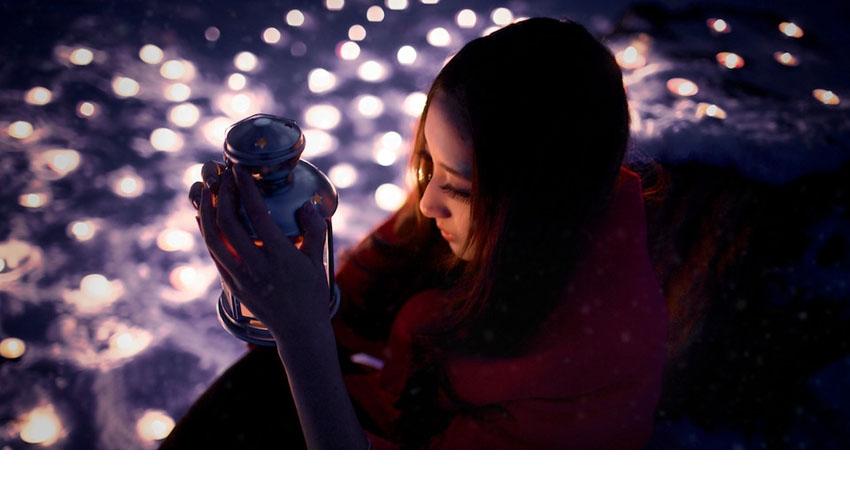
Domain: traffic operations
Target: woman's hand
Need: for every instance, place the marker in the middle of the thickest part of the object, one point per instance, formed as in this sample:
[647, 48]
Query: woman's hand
[284, 287]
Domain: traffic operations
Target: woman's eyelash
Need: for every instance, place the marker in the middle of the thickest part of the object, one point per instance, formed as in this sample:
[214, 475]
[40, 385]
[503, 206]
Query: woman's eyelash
[455, 193]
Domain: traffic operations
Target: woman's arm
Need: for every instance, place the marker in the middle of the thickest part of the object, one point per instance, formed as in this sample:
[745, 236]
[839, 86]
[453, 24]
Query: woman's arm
[286, 288]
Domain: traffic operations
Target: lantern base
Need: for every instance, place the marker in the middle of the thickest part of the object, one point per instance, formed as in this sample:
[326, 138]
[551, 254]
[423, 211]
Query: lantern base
[248, 329]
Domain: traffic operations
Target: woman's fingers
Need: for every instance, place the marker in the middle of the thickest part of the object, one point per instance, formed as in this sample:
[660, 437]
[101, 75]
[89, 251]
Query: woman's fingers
[195, 195]
[314, 229]
[221, 251]
[258, 213]
[210, 172]
[228, 222]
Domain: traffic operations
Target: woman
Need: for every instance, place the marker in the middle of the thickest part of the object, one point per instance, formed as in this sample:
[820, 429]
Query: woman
[511, 298]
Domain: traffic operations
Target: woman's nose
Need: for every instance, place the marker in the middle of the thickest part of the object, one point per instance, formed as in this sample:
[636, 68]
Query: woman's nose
[431, 204]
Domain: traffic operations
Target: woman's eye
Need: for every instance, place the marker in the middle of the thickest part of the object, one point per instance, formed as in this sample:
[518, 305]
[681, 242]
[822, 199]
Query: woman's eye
[426, 170]
[456, 193]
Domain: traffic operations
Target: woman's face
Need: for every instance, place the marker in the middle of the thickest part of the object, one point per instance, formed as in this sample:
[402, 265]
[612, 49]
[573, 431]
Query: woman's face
[447, 196]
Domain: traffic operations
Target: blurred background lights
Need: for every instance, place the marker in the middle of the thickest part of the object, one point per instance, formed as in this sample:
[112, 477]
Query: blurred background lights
[81, 56]
[718, 25]
[177, 92]
[97, 287]
[414, 103]
[356, 33]
[406, 55]
[371, 71]
[343, 175]
[826, 97]
[86, 109]
[236, 81]
[186, 278]
[82, 230]
[682, 87]
[60, 161]
[271, 35]
[385, 157]
[730, 60]
[786, 58]
[151, 54]
[375, 14]
[791, 30]
[172, 240]
[502, 16]
[294, 18]
[125, 87]
[320, 80]
[184, 115]
[126, 343]
[630, 58]
[212, 34]
[128, 185]
[12, 348]
[389, 197]
[177, 70]
[430, 2]
[710, 110]
[38, 95]
[154, 425]
[319, 143]
[33, 200]
[439, 37]
[245, 61]
[41, 426]
[20, 129]
[369, 106]
[396, 4]
[215, 130]
[391, 140]
[334, 5]
[466, 18]
[192, 175]
[348, 50]
[322, 116]
[240, 103]
[164, 139]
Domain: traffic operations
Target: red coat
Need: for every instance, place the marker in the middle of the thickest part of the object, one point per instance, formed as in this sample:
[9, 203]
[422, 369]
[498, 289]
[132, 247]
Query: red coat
[592, 379]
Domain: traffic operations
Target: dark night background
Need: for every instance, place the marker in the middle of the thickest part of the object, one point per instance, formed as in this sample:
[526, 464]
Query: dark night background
[748, 223]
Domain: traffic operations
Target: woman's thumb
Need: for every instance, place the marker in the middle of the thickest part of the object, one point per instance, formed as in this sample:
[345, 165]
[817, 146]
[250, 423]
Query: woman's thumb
[314, 229]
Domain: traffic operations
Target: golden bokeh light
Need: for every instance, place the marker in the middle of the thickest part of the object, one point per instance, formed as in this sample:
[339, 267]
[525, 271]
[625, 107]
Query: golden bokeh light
[630, 58]
[396, 4]
[184, 115]
[826, 97]
[343, 175]
[718, 25]
[12, 348]
[348, 50]
[82, 230]
[682, 87]
[372, 71]
[466, 18]
[785, 58]
[294, 18]
[86, 109]
[389, 197]
[375, 14]
[177, 92]
[414, 103]
[245, 61]
[710, 110]
[34, 200]
[369, 106]
[322, 117]
[791, 30]
[406, 55]
[320, 80]
[502, 16]
[271, 35]
[41, 426]
[439, 37]
[81, 56]
[128, 185]
[154, 425]
[356, 33]
[730, 60]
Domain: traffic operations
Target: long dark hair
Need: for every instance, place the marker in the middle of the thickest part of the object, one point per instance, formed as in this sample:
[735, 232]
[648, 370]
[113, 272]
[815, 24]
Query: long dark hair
[546, 109]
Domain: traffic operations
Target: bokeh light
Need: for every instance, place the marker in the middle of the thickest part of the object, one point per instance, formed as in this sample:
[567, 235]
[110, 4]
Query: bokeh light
[730, 60]
[41, 426]
[372, 71]
[396, 4]
[791, 30]
[128, 184]
[389, 197]
[125, 87]
[682, 87]
[343, 175]
[184, 115]
[630, 58]
[322, 117]
[271, 35]
[826, 97]
[12, 348]
[466, 18]
[502, 16]
[38, 96]
[294, 18]
[212, 34]
[334, 5]
[406, 55]
[154, 425]
[164, 139]
[245, 61]
[718, 25]
[34, 200]
[151, 54]
[439, 37]
[81, 56]
[710, 110]
[320, 80]
[177, 92]
[177, 70]
[369, 106]
[86, 109]
[786, 58]
[59, 161]
[375, 14]
[414, 103]
[348, 50]
[82, 230]
[236, 81]
[20, 129]
[356, 33]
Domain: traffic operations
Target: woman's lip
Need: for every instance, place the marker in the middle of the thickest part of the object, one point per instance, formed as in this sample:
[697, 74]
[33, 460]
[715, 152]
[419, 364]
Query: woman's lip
[446, 235]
